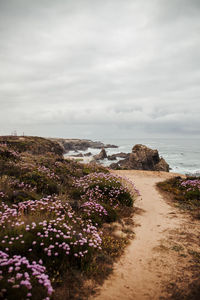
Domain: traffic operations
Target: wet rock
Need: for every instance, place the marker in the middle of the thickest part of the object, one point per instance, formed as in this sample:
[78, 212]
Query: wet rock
[112, 157]
[101, 155]
[116, 155]
[88, 154]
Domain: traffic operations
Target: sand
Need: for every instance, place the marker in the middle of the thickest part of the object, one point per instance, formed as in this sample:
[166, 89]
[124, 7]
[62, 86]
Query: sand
[153, 259]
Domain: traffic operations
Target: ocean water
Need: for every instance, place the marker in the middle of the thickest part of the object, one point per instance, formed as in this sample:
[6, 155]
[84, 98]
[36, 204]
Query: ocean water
[182, 155]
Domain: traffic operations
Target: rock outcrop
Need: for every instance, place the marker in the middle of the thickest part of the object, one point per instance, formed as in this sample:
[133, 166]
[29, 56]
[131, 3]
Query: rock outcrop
[87, 154]
[101, 155]
[115, 156]
[80, 145]
[142, 158]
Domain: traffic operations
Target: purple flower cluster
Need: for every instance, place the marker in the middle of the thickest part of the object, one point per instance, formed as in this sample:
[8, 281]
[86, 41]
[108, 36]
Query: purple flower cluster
[92, 207]
[58, 226]
[8, 215]
[5, 151]
[21, 185]
[57, 233]
[17, 272]
[191, 184]
[48, 172]
[103, 187]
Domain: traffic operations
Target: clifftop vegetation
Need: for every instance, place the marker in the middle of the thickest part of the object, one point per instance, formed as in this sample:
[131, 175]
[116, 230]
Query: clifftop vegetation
[53, 216]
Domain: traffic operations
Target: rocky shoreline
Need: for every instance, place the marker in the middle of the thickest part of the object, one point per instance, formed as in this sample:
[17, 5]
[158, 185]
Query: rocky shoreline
[141, 158]
[80, 144]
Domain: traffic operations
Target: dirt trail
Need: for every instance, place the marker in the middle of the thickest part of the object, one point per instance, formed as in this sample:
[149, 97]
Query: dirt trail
[149, 262]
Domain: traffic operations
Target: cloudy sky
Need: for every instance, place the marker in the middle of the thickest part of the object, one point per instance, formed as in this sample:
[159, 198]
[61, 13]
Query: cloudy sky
[95, 69]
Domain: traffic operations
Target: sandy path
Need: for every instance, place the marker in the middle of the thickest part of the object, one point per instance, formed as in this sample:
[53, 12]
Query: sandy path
[144, 267]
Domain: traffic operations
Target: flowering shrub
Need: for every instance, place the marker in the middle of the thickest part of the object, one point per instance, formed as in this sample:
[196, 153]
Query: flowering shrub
[21, 185]
[43, 234]
[19, 279]
[105, 188]
[44, 184]
[102, 195]
[48, 172]
[191, 184]
[59, 237]
[7, 153]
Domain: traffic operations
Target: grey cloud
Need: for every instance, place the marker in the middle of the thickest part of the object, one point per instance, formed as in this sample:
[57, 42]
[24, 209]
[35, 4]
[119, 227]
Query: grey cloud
[100, 67]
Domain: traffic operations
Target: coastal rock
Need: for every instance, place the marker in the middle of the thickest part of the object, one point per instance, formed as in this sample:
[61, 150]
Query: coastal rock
[101, 155]
[88, 154]
[122, 155]
[80, 145]
[115, 166]
[116, 155]
[142, 158]
[162, 166]
[110, 146]
[112, 157]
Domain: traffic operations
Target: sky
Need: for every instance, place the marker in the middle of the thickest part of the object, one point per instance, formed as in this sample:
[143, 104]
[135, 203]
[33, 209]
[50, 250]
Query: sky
[100, 69]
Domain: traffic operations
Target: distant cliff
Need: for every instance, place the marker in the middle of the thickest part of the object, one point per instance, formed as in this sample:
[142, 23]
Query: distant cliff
[32, 144]
[80, 144]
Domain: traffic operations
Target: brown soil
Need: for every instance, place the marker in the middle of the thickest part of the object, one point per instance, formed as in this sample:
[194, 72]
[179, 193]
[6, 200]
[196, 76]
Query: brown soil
[163, 260]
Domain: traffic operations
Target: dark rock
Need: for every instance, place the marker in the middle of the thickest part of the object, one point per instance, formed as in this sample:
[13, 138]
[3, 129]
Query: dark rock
[101, 155]
[114, 166]
[143, 158]
[112, 157]
[122, 155]
[116, 155]
[88, 154]
[110, 146]
[162, 165]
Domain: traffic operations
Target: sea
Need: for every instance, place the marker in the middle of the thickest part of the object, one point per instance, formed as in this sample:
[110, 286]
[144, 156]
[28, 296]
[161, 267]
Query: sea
[182, 155]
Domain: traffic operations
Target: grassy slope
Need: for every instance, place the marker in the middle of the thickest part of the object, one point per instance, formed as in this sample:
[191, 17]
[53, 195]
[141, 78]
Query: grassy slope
[81, 196]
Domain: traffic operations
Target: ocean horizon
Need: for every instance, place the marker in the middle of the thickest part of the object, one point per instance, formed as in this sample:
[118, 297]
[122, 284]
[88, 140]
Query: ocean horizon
[182, 154]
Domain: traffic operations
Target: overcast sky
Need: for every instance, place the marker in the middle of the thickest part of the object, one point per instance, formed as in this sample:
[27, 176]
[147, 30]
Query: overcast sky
[100, 68]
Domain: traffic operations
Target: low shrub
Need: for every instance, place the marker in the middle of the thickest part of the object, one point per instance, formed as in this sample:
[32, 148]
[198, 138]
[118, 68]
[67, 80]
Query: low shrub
[186, 193]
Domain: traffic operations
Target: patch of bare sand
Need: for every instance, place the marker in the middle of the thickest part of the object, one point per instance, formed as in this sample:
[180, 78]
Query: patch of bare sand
[157, 261]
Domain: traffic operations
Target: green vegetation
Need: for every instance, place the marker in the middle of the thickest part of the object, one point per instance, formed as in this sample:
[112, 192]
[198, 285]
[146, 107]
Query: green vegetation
[185, 193]
[53, 215]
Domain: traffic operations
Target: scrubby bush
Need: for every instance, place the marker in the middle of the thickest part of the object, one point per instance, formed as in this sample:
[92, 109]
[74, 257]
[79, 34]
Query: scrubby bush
[101, 196]
[186, 193]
